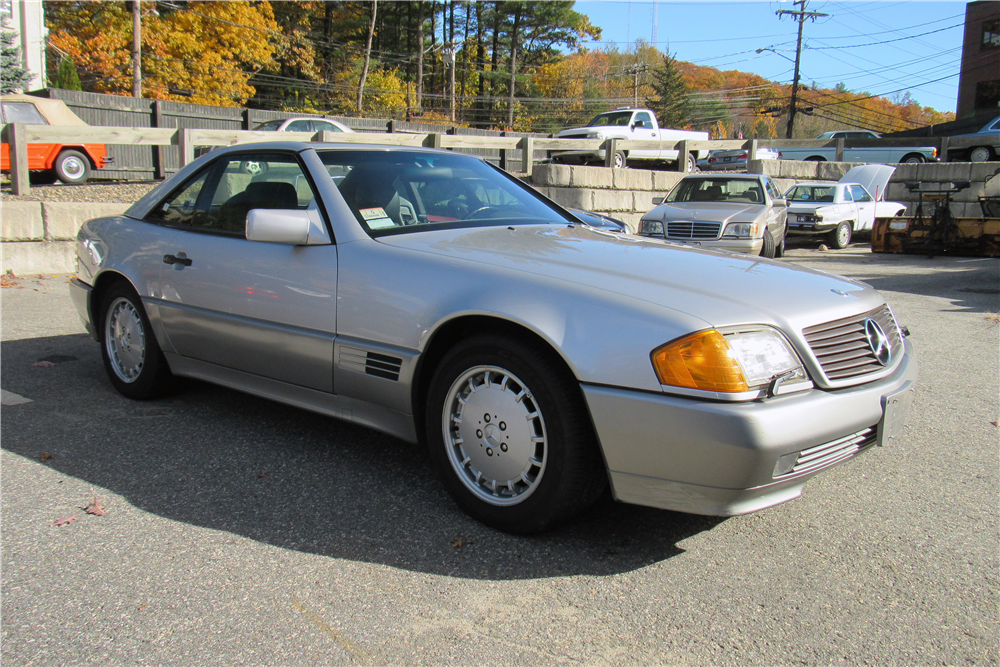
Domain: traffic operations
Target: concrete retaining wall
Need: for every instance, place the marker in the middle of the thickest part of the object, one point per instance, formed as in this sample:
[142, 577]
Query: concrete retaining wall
[983, 176]
[39, 237]
[624, 194]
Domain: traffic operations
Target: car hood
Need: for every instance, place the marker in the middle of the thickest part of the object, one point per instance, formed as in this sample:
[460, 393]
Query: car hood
[706, 211]
[720, 288]
[596, 128]
[873, 177]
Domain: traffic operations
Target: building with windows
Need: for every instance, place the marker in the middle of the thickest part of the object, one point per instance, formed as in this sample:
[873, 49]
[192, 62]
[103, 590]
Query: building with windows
[979, 80]
[26, 19]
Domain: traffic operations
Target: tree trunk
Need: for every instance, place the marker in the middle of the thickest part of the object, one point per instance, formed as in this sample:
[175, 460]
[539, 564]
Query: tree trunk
[480, 64]
[465, 59]
[494, 59]
[420, 53]
[513, 66]
[368, 54]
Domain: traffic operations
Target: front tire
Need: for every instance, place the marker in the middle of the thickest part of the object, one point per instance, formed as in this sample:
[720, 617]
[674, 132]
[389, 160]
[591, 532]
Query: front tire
[72, 167]
[510, 435]
[840, 238]
[620, 160]
[768, 248]
[132, 357]
[980, 154]
[779, 249]
[914, 158]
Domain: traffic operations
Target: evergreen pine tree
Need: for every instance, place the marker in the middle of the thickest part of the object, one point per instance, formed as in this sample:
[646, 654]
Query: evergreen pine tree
[670, 101]
[66, 77]
[13, 77]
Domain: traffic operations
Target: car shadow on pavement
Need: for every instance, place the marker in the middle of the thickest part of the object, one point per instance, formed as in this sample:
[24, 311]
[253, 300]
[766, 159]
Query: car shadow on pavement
[224, 460]
[972, 284]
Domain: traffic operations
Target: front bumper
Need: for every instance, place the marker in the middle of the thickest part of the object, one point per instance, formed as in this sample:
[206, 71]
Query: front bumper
[720, 458]
[79, 293]
[578, 157]
[747, 246]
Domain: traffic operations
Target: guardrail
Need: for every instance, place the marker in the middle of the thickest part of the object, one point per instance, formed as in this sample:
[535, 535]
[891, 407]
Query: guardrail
[19, 135]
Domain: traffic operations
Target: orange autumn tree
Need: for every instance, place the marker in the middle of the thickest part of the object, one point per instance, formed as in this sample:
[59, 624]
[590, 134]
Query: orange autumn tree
[206, 48]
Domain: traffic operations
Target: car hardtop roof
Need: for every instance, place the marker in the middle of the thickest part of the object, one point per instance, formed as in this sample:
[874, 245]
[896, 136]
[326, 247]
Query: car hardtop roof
[715, 175]
[300, 146]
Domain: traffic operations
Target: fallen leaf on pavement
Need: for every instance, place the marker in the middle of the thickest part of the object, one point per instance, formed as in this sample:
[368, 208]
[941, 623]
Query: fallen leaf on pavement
[262, 474]
[44, 364]
[94, 507]
[458, 543]
[65, 521]
[45, 456]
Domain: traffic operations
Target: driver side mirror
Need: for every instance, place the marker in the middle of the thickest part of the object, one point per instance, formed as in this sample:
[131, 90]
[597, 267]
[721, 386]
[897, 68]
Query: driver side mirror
[638, 123]
[285, 226]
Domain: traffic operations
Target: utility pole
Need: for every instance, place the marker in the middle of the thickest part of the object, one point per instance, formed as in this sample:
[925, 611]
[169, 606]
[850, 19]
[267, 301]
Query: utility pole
[635, 71]
[136, 48]
[449, 62]
[801, 15]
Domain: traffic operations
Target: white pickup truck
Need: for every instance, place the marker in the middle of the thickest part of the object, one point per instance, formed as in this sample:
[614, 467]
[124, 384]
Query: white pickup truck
[891, 154]
[626, 123]
[837, 210]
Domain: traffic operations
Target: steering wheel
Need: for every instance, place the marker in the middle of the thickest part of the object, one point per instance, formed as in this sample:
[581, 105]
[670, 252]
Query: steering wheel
[481, 208]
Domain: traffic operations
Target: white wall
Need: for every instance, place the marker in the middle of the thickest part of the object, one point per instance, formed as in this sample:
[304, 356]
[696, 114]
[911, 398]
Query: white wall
[27, 19]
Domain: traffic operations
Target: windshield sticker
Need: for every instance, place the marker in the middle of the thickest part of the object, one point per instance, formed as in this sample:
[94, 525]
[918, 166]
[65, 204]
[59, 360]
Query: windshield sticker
[373, 213]
[380, 223]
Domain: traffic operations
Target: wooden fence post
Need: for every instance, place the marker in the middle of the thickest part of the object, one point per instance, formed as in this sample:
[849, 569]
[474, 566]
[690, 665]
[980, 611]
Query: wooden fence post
[943, 149]
[527, 145]
[433, 140]
[160, 156]
[839, 155]
[682, 157]
[503, 153]
[186, 146]
[610, 148]
[19, 175]
[391, 126]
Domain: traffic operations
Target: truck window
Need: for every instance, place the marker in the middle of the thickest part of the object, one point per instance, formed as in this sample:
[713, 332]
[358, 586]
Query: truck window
[645, 118]
[22, 112]
[612, 118]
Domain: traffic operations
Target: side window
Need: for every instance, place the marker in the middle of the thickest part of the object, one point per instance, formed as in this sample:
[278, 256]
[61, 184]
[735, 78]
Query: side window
[299, 126]
[219, 198]
[860, 194]
[180, 208]
[645, 118]
[22, 112]
[323, 125]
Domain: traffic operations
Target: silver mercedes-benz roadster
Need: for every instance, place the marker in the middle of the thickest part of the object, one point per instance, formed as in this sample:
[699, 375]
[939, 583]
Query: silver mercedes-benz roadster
[431, 296]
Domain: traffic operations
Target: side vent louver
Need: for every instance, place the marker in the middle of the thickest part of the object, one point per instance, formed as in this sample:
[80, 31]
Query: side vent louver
[370, 363]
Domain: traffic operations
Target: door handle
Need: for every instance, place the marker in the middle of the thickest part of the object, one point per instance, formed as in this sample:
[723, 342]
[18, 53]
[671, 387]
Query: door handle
[171, 259]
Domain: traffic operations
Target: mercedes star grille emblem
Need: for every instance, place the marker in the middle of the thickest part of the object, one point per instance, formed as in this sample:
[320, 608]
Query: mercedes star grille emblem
[878, 341]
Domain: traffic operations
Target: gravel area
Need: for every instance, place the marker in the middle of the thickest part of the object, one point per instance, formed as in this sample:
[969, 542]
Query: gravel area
[102, 191]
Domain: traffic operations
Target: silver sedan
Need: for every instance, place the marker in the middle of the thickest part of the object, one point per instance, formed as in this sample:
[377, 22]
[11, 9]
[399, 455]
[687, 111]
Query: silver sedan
[433, 297]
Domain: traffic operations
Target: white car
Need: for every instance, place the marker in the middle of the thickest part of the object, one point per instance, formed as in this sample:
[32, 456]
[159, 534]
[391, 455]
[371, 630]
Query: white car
[839, 209]
[304, 124]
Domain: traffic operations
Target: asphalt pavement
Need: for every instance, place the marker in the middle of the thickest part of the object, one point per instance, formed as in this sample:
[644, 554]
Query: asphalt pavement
[228, 530]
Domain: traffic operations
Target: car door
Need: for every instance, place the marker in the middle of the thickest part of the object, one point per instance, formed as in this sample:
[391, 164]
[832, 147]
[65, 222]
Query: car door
[647, 132]
[866, 208]
[266, 309]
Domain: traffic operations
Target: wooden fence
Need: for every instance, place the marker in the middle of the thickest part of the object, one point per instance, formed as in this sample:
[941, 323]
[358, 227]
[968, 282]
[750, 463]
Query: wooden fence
[18, 135]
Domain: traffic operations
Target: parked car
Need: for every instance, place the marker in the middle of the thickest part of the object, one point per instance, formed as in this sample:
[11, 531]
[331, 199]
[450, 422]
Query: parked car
[432, 296]
[891, 154]
[69, 162]
[735, 159]
[989, 150]
[306, 124]
[739, 212]
[599, 220]
[626, 123]
[838, 210]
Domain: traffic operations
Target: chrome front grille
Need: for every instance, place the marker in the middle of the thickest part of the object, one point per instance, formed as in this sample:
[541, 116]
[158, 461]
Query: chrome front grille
[684, 229]
[833, 452]
[842, 347]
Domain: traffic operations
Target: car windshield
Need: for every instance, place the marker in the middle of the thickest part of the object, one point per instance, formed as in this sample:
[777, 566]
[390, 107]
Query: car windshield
[811, 193]
[742, 190]
[398, 192]
[271, 126]
[619, 119]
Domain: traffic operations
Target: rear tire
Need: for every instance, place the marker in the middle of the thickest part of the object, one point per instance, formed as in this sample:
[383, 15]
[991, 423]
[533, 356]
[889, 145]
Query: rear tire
[692, 164]
[815, 158]
[840, 238]
[132, 357]
[779, 249]
[620, 160]
[510, 435]
[72, 167]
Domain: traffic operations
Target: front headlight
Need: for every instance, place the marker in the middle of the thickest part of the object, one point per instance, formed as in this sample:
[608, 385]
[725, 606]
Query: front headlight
[732, 363]
[651, 228]
[593, 135]
[741, 229]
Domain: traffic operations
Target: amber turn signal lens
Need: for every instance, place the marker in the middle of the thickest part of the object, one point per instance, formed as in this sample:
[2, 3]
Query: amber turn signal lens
[699, 361]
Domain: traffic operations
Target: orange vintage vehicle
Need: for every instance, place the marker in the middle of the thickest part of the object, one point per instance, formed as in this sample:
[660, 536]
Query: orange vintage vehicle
[69, 162]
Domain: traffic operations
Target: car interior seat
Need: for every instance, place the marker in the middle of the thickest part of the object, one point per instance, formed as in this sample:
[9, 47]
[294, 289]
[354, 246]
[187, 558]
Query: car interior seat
[262, 194]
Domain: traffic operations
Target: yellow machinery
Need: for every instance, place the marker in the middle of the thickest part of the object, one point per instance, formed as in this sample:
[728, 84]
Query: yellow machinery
[934, 231]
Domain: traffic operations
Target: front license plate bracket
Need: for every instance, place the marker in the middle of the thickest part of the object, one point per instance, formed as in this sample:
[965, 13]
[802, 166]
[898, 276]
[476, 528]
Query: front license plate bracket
[895, 409]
